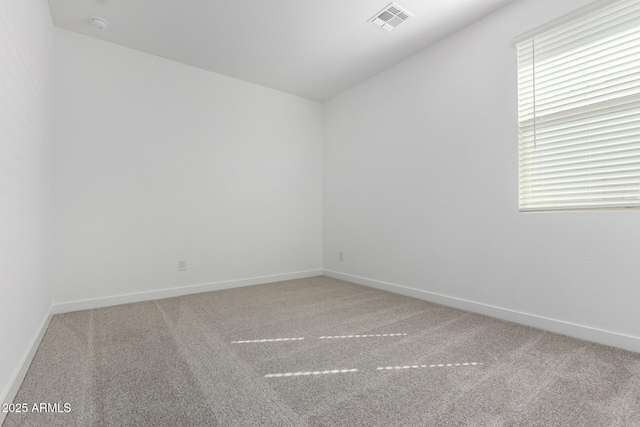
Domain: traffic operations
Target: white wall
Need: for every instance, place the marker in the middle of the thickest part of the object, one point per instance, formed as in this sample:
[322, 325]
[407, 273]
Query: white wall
[157, 161]
[26, 68]
[421, 191]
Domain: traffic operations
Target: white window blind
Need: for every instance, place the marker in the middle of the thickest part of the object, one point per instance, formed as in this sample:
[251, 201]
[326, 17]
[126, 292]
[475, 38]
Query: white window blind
[579, 112]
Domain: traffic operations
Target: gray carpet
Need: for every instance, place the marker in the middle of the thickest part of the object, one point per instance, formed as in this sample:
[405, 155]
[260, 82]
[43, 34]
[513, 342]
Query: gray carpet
[319, 352]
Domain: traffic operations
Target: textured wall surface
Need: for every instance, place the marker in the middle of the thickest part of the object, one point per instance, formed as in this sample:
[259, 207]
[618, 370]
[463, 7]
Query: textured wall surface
[157, 161]
[26, 71]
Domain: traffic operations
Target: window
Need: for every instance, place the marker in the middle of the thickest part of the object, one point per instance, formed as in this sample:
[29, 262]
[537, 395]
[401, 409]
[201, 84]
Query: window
[579, 111]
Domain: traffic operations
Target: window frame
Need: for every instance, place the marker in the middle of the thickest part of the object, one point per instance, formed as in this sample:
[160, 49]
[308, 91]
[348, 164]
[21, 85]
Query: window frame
[591, 194]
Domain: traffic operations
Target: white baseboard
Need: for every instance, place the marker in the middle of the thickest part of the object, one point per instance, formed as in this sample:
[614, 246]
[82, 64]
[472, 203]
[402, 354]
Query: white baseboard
[16, 380]
[67, 307]
[609, 338]
[613, 339]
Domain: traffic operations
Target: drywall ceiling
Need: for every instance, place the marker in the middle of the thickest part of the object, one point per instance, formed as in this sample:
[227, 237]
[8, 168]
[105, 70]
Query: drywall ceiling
[311, 48]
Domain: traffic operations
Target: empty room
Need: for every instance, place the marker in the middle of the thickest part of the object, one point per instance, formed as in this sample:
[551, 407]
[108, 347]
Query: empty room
[319, 213]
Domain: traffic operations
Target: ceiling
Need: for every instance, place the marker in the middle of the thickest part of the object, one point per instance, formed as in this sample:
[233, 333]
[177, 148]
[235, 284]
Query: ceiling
[311, 48]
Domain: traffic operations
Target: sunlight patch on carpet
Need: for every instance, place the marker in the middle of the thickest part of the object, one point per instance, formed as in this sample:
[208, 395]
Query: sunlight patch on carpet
[441, 365]
[308, 373]
[266, 340]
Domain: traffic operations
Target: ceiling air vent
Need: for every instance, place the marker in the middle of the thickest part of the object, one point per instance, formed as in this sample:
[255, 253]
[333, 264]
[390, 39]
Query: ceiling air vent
[390, 17]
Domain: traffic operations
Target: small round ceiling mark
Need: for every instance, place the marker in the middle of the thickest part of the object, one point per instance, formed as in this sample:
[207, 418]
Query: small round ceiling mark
[99, 23]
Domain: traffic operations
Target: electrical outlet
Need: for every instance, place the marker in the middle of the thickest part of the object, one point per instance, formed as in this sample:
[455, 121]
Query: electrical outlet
[182, 265]
[341, 256]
